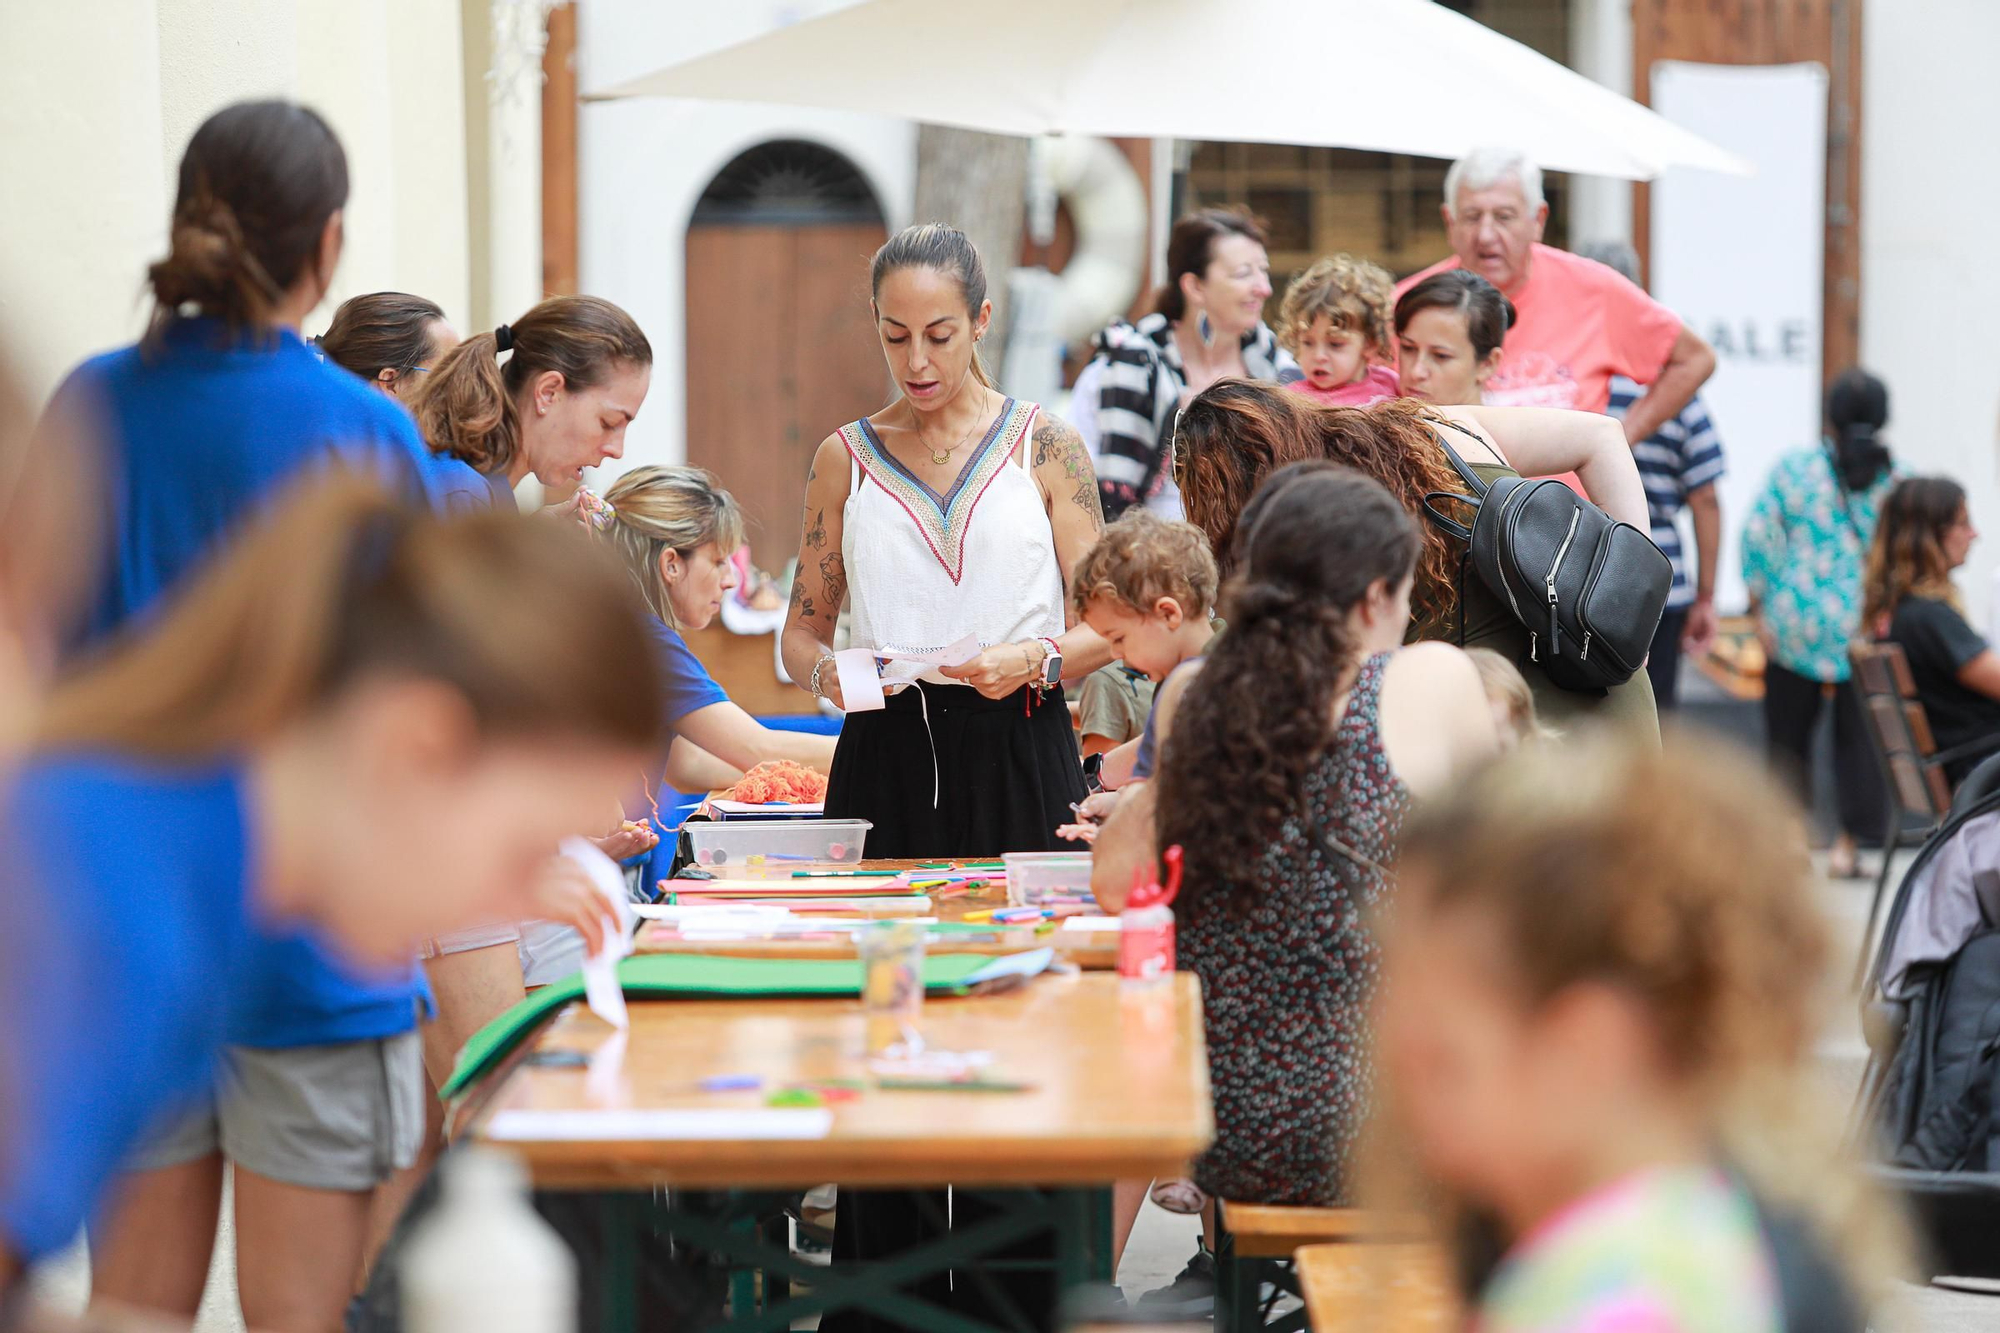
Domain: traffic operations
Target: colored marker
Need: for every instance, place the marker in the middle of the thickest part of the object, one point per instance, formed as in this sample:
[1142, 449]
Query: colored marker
[845, 874]
[732, 1083]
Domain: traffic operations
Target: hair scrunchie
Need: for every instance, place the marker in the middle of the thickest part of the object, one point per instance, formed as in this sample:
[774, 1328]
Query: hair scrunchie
[503, 338]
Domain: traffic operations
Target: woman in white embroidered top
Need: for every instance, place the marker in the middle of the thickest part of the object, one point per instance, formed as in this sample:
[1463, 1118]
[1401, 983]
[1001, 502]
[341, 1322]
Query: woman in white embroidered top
[954, 511]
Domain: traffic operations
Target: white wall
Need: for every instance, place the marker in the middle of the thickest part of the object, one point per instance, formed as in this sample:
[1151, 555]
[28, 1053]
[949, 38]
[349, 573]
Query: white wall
[1929, 281]
[645, 162]
[98, 99]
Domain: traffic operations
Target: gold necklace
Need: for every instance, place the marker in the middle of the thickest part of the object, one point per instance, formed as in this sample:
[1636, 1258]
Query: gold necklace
[940, 459]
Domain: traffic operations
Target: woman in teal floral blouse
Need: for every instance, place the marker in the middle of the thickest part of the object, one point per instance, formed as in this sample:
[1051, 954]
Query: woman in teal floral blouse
[1804, 546]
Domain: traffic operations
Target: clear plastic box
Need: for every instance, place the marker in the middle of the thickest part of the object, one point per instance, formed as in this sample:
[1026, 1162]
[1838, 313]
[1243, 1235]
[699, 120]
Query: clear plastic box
[758, 842]
[1035, 878]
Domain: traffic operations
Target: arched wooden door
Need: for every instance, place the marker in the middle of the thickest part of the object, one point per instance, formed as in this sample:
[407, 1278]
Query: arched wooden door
[780, 347]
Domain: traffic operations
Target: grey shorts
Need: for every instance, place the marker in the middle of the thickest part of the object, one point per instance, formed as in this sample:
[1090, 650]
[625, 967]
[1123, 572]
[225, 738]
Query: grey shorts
[342, 1116]
[465, 941]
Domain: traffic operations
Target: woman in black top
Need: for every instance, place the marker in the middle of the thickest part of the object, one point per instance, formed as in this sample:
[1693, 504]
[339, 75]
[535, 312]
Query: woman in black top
[1924, 534]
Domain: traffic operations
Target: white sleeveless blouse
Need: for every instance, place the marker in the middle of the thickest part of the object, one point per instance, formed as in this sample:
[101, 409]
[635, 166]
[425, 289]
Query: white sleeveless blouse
[924, 570]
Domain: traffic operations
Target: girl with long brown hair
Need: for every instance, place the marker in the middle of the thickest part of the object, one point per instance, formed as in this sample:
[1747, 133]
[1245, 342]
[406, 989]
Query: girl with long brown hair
[1293, 759]
[1908, 599]
[1230, 438]
[365, 721]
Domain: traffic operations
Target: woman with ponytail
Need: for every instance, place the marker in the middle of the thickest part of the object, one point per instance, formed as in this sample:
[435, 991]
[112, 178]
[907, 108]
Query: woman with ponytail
[222, 402]
[1804, 545]
[954, 512]
[1296, 753]
[365, 722]
[546, 396]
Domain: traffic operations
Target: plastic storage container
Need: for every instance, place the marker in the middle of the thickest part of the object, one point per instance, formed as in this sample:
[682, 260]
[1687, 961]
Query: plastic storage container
[776, 841]
[1035, 879]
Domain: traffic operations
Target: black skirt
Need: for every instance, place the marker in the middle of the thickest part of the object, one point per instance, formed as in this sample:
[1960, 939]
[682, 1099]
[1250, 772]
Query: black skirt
[1006, 772]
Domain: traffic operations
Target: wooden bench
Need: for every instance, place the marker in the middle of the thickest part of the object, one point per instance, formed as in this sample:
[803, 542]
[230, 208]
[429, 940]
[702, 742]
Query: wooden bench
[1254, 1246]
[1399, 1287]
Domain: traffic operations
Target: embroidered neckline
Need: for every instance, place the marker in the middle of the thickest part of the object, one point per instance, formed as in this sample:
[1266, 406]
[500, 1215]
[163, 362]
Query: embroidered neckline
[943, 520]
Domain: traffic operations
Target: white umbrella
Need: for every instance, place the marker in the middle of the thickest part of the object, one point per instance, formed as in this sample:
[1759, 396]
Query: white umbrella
[1400, 76]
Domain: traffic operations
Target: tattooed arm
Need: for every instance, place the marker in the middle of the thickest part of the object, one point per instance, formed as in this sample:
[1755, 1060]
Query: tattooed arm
[821, 584]
[1062, 467]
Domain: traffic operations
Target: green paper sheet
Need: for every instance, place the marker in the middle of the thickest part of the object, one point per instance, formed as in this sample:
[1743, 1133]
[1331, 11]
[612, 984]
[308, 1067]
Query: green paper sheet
[664, 975]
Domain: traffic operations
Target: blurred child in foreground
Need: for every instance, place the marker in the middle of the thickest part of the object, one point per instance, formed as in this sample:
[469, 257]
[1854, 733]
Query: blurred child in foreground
[1598, 1031]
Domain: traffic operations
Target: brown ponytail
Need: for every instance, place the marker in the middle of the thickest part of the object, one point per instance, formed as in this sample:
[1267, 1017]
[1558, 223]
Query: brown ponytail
[531, 622]
[468, 407]
[257, 185]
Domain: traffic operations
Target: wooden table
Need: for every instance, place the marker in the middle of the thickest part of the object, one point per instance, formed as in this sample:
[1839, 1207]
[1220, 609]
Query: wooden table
[1092, 951]
[1120, 1091]
[1378, 1288]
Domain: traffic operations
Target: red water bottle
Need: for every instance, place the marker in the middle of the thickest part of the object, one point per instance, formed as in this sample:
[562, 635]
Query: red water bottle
[1146, 927]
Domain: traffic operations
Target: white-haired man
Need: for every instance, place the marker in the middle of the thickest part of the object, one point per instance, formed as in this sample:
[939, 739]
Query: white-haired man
[1576, 322]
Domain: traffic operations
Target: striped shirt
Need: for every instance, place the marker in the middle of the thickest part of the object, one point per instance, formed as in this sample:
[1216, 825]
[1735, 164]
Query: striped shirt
[1139, 387]
[1683, 456]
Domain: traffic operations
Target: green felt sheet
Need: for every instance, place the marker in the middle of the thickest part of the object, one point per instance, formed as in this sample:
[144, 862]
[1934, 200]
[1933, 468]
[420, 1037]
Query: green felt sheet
[661, 975]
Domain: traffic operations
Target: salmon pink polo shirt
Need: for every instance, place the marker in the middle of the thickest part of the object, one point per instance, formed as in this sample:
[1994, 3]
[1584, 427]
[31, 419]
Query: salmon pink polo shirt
[1578, 324]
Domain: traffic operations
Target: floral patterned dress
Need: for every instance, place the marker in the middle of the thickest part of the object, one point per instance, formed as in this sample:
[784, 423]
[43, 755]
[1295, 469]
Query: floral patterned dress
[1287, 987]
[1803, 552]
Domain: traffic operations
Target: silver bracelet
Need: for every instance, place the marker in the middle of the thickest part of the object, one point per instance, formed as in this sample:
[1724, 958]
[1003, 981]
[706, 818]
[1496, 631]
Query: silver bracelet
[817, 668]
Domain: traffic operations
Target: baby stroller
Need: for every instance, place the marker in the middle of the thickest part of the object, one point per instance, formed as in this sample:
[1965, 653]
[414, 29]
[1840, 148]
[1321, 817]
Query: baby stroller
[1928, 1111]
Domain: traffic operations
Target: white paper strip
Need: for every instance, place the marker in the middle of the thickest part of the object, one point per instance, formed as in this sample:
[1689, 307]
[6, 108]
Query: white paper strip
[600, 971]
[865, 680]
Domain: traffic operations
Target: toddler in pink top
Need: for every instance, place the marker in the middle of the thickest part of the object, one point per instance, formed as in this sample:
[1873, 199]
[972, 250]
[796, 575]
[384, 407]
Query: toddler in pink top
[1335, 321]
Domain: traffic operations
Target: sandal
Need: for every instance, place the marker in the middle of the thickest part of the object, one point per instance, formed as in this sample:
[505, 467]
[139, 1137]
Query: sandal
[1180, 1196]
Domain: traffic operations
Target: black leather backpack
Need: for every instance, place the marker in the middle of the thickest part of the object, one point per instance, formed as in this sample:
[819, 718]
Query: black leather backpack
[1589, 589]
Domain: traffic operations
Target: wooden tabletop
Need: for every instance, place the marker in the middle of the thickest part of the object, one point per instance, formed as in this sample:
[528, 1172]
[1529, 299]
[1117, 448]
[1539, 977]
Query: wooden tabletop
[1367, 1287]
[1092, 951]
[1119, 1090]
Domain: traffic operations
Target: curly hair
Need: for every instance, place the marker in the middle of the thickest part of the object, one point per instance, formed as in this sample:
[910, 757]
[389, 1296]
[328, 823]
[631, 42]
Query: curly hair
[1315, 539]
[1237, 432]
[1907, 557]
[1355, 295]
[1141, 558]
[1595, 862]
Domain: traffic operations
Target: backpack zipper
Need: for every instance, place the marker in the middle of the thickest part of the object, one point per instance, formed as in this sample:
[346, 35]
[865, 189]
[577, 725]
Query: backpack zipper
[1555, 633]
[1506, 585]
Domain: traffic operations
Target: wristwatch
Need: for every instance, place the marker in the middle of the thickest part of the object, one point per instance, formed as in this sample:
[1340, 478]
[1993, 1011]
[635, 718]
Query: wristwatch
[1052, 663]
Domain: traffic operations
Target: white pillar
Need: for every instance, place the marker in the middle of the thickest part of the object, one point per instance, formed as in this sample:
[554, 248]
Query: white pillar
[503, 79]
[1601, 49]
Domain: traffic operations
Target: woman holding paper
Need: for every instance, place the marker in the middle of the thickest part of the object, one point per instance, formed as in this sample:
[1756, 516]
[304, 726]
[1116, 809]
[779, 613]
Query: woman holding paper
[952, 517]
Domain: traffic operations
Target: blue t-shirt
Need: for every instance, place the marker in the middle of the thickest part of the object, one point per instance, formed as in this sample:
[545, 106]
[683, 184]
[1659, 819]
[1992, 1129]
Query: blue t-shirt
[197, 437]
[458, 485]
[686, 688]
[1146, 756]
[116, 972]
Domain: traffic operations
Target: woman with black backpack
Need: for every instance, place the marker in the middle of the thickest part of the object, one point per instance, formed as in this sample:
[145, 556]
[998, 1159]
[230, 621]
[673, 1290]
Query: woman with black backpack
[1236, 433]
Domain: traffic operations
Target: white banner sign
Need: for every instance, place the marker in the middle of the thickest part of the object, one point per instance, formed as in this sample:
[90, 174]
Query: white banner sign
[1740, 259]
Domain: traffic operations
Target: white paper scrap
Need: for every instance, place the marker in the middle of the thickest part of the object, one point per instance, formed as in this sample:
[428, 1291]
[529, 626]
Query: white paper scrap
[600, 971]
[1091, 923]
[804, 1122]
[868, 674]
